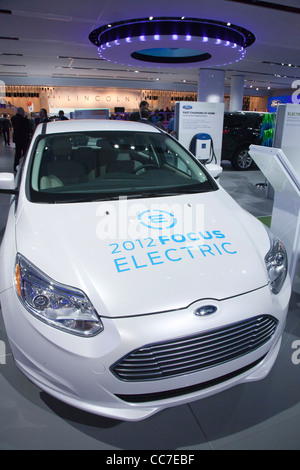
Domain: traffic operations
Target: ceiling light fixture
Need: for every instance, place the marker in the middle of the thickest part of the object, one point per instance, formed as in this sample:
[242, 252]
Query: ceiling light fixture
[171, 42]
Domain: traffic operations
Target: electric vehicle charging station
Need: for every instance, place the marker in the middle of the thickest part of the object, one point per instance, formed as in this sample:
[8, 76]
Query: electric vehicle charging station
[202, 146]
[199, 127]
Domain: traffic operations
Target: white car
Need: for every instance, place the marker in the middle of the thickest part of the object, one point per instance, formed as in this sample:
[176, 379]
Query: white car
[130, 281]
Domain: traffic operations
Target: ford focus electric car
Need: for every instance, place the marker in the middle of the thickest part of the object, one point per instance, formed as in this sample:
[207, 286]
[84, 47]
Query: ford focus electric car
[130, 281]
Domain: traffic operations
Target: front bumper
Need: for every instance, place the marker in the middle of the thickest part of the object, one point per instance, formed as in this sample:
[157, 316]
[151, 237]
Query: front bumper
[78, 371]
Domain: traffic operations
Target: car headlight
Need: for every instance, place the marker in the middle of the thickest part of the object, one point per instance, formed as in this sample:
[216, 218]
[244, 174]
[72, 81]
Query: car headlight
[277, 263]
[58, 305]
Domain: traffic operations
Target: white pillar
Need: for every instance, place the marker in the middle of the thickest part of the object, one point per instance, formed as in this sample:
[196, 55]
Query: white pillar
[236, 93]
[211, 85]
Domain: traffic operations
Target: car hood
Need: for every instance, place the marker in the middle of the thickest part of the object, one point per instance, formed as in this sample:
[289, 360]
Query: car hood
[147, 255]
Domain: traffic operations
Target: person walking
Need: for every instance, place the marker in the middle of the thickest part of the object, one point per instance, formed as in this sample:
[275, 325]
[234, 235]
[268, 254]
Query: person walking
[21, 135]
[6, 125]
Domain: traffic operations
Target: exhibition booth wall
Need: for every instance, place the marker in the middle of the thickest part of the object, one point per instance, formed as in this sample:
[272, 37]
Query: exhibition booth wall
[68, 98]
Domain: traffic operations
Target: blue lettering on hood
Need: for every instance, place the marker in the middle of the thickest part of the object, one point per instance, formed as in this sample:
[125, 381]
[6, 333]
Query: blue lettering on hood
[144, 253]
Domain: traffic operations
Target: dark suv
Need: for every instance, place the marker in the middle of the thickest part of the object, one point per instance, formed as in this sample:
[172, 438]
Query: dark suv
[240, 130]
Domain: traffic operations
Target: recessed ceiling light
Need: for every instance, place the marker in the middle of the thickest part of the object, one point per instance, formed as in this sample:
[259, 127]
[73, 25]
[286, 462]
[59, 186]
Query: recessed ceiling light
[9, 38]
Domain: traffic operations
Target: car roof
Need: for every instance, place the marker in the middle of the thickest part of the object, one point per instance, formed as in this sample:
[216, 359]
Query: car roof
[244, 113]
[79, 125]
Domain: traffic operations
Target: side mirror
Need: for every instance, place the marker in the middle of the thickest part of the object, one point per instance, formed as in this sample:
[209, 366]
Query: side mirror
[7, 183]
[214, 170]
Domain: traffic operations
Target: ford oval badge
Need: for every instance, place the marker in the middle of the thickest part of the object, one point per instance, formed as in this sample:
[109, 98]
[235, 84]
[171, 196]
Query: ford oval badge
[205, 310]
[275, 103]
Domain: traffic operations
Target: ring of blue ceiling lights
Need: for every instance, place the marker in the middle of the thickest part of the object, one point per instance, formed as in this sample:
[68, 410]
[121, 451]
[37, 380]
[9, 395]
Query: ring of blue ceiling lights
[171, 42]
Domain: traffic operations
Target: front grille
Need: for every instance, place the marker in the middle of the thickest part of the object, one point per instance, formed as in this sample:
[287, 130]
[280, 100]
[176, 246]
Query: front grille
[195, 353]
[167, 394]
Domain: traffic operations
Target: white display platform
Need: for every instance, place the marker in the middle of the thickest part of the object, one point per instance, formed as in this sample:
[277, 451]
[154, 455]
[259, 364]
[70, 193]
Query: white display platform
[287, 133]
[283, 177]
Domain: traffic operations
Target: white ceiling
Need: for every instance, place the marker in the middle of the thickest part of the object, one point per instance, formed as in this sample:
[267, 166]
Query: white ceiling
[53, 47]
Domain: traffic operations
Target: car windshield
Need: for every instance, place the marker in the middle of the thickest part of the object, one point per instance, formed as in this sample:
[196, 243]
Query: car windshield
[234, 120]
[98, 165]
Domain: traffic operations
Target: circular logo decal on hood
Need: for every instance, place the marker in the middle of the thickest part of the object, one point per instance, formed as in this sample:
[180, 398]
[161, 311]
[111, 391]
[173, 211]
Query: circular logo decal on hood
[157, 219]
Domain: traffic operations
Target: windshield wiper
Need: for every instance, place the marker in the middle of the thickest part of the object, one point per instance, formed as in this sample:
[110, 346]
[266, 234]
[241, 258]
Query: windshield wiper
[161, 192]
[131, 193]
[84, 199]
[145, 194]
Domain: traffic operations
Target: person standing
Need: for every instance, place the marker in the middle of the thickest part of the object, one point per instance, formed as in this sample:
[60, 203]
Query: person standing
[171, 126]
[61, 116]
[21, 135]
[6, 125]
[137, 116]
[43, 117]
[144, 116]
[156, 119]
